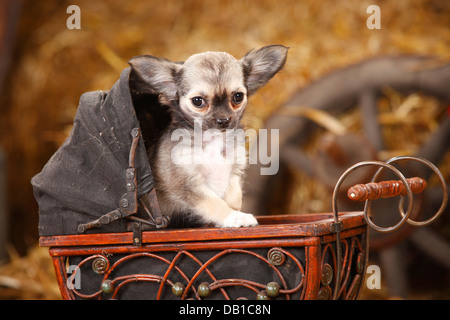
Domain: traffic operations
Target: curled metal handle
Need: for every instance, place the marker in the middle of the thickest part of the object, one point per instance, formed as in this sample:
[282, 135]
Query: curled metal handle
[443, 186]
[385, 189]
[376, 190]
[403, 187]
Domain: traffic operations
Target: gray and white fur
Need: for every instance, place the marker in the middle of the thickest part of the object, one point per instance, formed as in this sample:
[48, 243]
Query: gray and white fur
[210, 88]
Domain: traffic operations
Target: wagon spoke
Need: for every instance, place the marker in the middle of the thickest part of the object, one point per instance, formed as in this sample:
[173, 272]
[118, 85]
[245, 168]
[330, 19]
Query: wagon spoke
[372, 129]
[437, 145]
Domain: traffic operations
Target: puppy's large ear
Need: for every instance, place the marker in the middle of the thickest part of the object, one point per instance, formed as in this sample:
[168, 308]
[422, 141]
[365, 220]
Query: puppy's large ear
[158, 74]
[262, 64]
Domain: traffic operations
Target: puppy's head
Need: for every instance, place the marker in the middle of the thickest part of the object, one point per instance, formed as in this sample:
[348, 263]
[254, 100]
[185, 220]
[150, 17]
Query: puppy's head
[211, 87]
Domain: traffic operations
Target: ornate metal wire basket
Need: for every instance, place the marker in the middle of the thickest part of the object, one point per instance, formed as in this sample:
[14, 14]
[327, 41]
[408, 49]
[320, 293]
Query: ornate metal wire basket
[291, 257]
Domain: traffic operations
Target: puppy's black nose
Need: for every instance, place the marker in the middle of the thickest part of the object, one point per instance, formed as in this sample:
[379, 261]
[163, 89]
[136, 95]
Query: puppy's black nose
[223, 123]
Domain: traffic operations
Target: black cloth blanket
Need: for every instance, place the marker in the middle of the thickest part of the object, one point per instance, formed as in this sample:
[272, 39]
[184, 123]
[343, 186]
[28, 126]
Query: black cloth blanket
[86, 177]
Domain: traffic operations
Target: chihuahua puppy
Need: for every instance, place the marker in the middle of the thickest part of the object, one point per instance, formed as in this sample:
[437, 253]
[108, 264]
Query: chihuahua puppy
[208, 93]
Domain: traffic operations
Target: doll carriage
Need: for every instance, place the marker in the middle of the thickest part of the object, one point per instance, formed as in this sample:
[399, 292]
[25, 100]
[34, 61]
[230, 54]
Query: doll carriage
[100, 218]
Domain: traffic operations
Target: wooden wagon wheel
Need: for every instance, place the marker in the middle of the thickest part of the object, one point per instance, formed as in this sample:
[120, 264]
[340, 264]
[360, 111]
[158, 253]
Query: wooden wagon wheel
[360, 84]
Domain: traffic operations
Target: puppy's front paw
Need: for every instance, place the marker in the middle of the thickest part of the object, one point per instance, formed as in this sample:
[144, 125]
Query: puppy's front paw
[239, 219]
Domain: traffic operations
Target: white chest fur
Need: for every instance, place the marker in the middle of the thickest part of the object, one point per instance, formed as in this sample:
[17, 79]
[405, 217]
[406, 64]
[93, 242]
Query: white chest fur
[207, 159]
[215, 168]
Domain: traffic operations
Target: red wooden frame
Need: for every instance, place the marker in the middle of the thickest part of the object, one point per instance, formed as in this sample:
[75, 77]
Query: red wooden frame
[313, 232]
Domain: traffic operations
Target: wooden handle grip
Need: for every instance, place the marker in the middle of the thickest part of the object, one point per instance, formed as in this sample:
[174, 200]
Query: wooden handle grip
[385, 189]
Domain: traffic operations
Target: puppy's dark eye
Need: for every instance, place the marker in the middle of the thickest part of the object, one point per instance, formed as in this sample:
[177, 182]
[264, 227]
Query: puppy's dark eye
[199, 102]
[238, 97]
